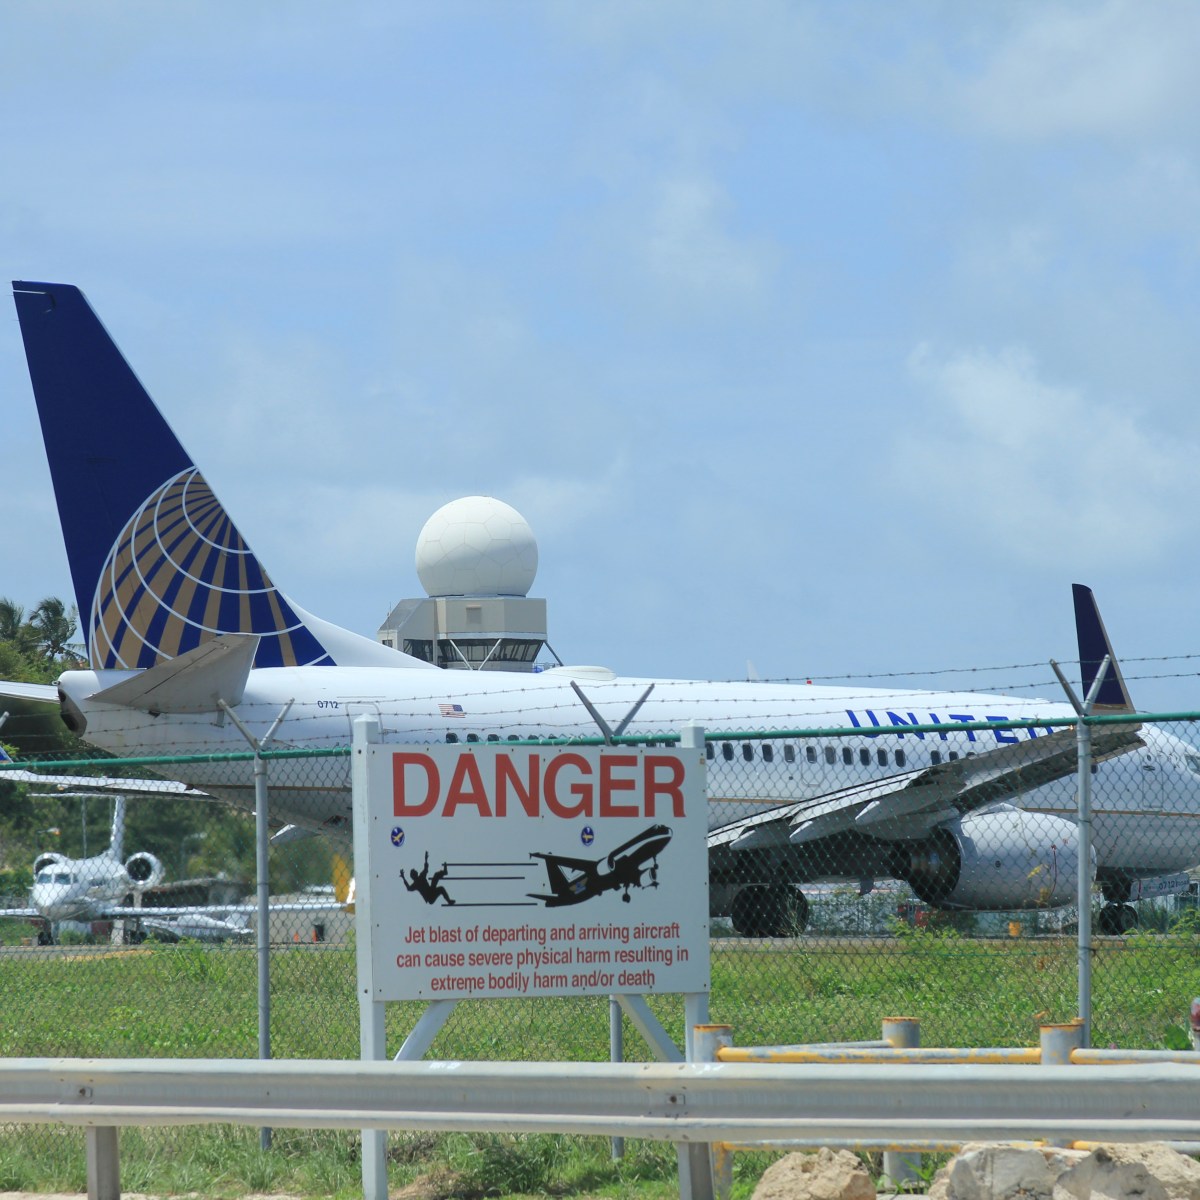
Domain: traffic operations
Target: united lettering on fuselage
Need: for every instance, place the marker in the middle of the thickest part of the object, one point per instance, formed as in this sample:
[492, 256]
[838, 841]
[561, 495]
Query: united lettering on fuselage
[900, 725]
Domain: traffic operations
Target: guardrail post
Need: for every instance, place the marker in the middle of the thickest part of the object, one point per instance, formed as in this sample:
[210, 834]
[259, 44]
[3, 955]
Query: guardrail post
[1058, 1041]
[103, 1163]
[708, 1041]
[900, 1167]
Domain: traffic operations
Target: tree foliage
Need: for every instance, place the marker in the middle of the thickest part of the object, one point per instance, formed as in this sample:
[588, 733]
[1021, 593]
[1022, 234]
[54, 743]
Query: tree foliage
[191, 837]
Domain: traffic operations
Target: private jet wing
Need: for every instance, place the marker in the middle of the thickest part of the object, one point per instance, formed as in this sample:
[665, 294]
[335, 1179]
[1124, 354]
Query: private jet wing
[100, 785]
[910, 804]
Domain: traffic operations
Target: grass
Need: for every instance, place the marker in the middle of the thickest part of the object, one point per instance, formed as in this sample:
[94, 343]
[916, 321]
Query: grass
[194, 1001]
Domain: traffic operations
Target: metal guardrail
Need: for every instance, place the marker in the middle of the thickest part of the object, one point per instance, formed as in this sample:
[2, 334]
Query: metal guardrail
[831, 1104]
[1060, 1046]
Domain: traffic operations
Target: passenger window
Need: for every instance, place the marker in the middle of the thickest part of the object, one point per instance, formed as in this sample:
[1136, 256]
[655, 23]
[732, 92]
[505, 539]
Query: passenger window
[952, 755]
[768, 752]
[789, 753]
[830, 755]
[899, 758]
[847, 755]
[472, 737]
[748, 751]
[493, 737]
[452, 738]
[864, 757]
[882, 757]
[935, 757]
[810, 752]
[710, 751]
[727, 751]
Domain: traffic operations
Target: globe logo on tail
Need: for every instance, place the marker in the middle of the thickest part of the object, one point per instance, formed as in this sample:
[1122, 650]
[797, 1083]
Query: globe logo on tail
[180, 574]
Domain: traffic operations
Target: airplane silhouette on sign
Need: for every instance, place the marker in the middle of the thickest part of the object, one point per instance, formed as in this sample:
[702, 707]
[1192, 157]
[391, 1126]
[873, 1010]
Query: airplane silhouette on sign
[626, 866]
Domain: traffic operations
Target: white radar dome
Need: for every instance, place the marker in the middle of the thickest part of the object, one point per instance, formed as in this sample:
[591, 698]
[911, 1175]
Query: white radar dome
[476, 546]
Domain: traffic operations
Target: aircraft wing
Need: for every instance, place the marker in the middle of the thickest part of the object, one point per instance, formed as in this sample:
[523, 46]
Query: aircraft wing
[911, 803]
[99, 785]
[42, 693]
[589, 865]
[104, 912]
[19, 912]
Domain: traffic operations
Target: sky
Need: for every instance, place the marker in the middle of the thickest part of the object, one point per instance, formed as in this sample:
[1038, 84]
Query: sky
[813, 340]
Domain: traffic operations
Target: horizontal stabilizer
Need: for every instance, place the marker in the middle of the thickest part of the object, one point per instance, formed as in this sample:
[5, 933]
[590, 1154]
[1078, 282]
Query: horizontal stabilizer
[193, 682]
[40, 693]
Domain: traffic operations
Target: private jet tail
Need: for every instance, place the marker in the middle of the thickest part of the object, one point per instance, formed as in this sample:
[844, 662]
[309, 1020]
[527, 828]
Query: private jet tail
[158, 566]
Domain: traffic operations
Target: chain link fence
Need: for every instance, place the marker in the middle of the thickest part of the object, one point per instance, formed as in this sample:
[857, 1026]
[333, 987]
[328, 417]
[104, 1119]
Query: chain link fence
[961, 914]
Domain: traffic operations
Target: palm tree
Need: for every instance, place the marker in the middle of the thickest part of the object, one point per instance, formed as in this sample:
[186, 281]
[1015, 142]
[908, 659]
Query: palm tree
[54, 626]
[14, 629]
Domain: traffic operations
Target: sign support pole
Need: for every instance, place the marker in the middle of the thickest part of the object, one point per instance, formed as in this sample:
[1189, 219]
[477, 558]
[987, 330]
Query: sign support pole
[371, 1012]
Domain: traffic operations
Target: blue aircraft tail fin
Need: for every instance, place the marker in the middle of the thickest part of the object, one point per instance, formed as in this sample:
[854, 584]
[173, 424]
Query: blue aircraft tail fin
[1094, 647]
[158, 566]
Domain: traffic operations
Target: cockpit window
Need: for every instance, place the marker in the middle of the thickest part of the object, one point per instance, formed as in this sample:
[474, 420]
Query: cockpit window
[1193, 763]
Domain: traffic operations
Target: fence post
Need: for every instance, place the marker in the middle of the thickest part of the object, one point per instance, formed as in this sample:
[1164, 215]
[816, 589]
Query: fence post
[262, 839]
[901, 1167]
[1083, 735]
[1083, 898]
[708, 1040]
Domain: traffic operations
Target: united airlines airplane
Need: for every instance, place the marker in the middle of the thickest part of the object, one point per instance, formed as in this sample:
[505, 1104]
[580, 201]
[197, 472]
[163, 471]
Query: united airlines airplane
[184, 628]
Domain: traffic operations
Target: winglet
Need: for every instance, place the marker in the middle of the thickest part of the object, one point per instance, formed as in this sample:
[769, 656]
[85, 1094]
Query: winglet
[1094, 645]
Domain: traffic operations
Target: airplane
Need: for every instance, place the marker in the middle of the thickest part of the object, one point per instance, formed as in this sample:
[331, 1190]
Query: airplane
[89, 889]
[86, 890]
[626, 866]
[185, 629]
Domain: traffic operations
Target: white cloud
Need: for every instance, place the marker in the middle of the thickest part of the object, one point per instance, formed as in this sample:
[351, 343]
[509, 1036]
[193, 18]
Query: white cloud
[1119, 68]
[1040, 472]
[690, 251]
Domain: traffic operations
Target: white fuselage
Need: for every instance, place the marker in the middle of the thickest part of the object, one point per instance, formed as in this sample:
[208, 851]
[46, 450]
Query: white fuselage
[79, 889]
[1146, 803]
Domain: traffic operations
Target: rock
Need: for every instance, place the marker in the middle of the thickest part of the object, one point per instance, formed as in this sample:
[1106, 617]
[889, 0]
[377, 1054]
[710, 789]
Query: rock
[1128, 1170]
[825, 1175]
[986, 1172]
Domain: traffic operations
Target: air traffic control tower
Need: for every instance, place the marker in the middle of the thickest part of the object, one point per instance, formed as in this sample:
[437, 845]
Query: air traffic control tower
[476, 560]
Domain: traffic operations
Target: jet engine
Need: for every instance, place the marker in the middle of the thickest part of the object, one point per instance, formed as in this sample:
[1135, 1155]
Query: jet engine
[44, 862]
[144, 870]
[993, 861]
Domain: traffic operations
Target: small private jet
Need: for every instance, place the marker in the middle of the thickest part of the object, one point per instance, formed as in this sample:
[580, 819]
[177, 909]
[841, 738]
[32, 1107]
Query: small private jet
[623, 868]
[110, 887]
[184, 627]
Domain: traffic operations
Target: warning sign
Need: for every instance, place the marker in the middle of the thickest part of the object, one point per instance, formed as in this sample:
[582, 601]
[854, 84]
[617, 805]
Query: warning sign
[530, 871]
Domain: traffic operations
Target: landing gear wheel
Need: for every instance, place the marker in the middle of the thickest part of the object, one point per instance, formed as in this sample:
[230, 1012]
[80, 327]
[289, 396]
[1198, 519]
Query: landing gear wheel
[1116, 919]
[45, 938]
[769, 912]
